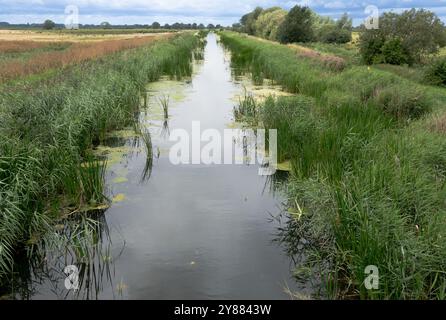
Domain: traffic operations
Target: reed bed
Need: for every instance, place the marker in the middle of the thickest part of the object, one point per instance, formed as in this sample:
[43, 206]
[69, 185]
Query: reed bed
[368, 178]
[47, 130]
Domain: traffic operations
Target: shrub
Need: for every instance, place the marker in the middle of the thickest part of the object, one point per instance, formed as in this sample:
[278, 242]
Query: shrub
[370, 47]
[420, 33]
[394, 53]
[333, 34]
[436, 72]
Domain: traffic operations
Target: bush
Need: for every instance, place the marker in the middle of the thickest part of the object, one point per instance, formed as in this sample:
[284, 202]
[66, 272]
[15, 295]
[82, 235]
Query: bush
[419, 33]
[436, 72]
[394, 53]
[370, 47]
[333, 34]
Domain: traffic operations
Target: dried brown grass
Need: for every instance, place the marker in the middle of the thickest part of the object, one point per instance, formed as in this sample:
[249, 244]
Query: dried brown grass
[77, 53]
[332, 62]
[20, 46]
[439, 124]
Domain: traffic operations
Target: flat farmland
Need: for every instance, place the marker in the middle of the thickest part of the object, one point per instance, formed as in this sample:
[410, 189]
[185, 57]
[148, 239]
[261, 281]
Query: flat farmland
[24, 52]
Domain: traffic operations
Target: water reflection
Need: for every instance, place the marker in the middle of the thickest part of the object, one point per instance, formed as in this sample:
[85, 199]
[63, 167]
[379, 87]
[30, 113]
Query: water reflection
[147, 171]
[81, 240]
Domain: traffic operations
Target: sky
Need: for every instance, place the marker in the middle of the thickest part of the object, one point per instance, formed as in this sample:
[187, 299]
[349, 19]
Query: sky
[224, 12]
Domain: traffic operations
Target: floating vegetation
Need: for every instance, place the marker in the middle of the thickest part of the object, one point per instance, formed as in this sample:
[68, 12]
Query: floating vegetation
[113, 155]
[119, 198]
[284, 166]
[120, 180]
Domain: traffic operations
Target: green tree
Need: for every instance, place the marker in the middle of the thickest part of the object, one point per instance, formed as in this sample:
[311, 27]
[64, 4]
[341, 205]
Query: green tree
[268, 22]
[419, 32]
[248, 20]
[297, 26]
[156, 25]
[329, 31]
[237, 27]
[344, 22]
[48, 25]
[105, 24]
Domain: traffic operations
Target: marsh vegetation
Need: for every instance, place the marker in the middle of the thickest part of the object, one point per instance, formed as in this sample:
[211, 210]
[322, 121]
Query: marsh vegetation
[361, 150]
[367, 177]
[49, 128]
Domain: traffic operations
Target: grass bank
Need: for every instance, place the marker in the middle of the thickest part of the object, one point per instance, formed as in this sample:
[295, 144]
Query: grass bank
[368, 177]
[47, 129]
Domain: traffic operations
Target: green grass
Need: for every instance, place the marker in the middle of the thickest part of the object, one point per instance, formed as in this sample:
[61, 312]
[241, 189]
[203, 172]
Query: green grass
[47, 129]
[368, 178]
[349, 52]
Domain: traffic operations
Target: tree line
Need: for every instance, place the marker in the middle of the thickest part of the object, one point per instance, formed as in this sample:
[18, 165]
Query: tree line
[300, 24]
[409, 38]
[50, 25]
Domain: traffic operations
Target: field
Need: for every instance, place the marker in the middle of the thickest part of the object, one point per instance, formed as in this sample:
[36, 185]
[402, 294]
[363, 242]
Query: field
[29, 52]
[368, 178]
[75, 35]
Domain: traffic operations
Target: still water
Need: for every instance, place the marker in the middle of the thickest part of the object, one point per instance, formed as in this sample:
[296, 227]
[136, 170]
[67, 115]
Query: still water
[181, 231]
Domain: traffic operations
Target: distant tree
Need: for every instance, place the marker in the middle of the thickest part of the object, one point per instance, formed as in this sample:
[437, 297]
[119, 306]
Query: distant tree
[105, 24]
[194, 26]
[344, 22]
[332, 34]
[329, 31]
[201, 26]
[166, 26]
[48, 25]
[248, 21]
[237, 27]
[156, 25]
[414, 33]
[297, 26]
[210, 26]
[268, 22]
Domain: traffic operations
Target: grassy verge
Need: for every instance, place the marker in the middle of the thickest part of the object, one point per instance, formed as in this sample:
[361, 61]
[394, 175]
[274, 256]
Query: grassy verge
[48, 127]
[368, 173]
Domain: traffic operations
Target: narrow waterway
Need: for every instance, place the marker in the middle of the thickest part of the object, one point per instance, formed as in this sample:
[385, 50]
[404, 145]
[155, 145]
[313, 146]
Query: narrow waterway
[183, 231]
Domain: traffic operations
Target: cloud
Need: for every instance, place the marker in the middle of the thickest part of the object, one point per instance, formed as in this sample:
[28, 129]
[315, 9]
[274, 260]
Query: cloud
[206, 11]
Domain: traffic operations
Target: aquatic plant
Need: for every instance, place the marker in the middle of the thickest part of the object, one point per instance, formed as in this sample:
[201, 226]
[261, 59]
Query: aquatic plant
[147, 139]
[164, 103]
[247, 106]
